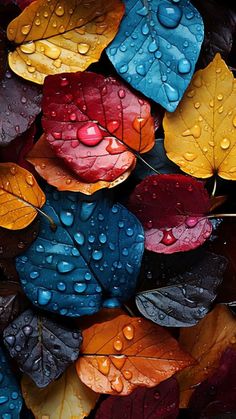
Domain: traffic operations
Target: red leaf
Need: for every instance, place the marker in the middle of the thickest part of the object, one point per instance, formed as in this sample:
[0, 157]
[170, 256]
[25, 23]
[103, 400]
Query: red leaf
[17, 150]
[217, 394]
[160, 402]
[172, 208]
[87, 117]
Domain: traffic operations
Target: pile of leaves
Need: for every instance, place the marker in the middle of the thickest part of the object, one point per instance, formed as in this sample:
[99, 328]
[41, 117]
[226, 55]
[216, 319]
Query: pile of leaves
[117, 209]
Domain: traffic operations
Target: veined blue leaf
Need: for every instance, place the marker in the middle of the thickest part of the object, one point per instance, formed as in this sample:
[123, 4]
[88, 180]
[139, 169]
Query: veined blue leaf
[92, 260]
[157, 47]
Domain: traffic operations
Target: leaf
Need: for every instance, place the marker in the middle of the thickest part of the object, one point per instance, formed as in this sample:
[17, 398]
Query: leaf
[13, 243]
[20, 104]
[124, 353]
[156, 158]
[92, 259]
[66, 398]
[200, 135]
[160, 402]
[172, 209]
[61, 37]
[219, 32]
[12, 303]
[216, 395]
[19, 197]
[187, 298]
[157, 47]
[10, 395]
[42, 347]
[206, 342]
[57, 173]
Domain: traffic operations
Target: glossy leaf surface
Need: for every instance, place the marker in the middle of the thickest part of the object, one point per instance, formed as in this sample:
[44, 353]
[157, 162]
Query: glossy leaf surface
[200, 134]
[157, 47]
[66, 398]
[93, 258]
[172, 209]
[206, 342]
[123, 353]
[12, 303]
[10, 395]
[61, 37]
[185, 299]
[42, 348]
[57, 173]
[160, 402]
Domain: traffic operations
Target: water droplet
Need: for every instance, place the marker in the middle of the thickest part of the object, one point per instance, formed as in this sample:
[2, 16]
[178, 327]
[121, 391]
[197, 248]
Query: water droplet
[90, 135]
[129, 332]
[59, 11]
[156, 395]
[138, 123]
[61, 286]
[34, 274]
[143, 11]
[28, 48]
[37, 22]
[83, 48]
[118, 345]
[103, 365]
[97, 254]
[168, 238]
[10, 340]
[123, 69]
[153, 47]
[225, 143]
[117, 385]
[25, 29]
[52, 52]
[43, 296]
[121, 93]
[40, 248]
[169, 15]
[145, 29]
[113, 126]
[190, 156]
[27, 330]
[195, 131]
[171, 92]
[67, 218]
[191, 221]
[184, 66]
[111, 303]
[127, 374]
[234, 121]
[211, 103]
[129, 231]
[80, 287]
[13, 170]
[79, 238]
[197, 105]
[64, 267]
[141, 69]
[102, 238]
[4, 399]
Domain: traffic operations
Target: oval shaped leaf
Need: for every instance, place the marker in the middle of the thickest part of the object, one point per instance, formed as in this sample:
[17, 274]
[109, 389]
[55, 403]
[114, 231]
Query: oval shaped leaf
[93, 258]
[57, 37]
[123, 353]
[20, 196]
[157, 47]
[200, 135]
[42, 348]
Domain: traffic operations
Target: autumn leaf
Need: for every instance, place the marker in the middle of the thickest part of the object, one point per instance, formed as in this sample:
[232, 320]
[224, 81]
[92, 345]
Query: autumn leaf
[124, 353]
[65, 398]
[57, 37]
[200, 134]
[206, 342]
[55, 171]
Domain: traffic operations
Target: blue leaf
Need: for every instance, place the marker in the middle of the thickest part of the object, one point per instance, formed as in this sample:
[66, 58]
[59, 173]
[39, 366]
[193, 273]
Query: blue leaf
[10, 394]
[157, 47]
[92, 260]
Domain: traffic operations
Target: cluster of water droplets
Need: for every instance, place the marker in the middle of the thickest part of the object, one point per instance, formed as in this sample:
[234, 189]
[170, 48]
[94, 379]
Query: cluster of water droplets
[10, 396]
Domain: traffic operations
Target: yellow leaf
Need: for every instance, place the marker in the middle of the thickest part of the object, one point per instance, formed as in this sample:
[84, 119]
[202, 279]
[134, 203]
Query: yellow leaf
[18, 192]
[200, 136]
[61, 36]
[205, 342]
[66, 398]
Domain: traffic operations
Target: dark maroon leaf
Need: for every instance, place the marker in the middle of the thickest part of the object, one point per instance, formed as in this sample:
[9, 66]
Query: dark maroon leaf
[42, 348]
[3, 53]
[160, 402]
[186, 298]
[20, 104]
[220, 28]
[12, 303]
[217, 394]
[12, 244]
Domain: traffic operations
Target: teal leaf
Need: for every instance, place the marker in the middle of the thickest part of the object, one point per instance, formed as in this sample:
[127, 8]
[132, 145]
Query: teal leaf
[157, 47]
[92, 260]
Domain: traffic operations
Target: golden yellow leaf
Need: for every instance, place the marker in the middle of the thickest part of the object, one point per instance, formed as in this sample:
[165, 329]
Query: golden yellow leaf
[18, 192]
[205, 342]
[200, 136]
[66, 398]
[61, 36]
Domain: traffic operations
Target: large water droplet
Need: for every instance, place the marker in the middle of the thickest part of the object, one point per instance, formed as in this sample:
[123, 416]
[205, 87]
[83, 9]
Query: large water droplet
[145, 29]
[4, 399]
[34, 274]
[90, 135]
[52, 52]
[43, 296]
[40, 248]
[67, 218]
[83, 48]
[97, 255]
[153, 47]
[141, 69]
[171, 93]
[102, 238]
[27, 330]
[169, 15]
[28, 48]
[123, 69]
[118, 344]
[184, 66]
[190, 156]
[10, 340]
[138, 123]
[191, 222]
[104, 365]
[61, 286]
[80, 287]
[112, 126]
[64, 267]
[195, 131]
[225, 143]
[143, 11]
[117, 385]
[168, 238]
[25, 29]
[60, 11]
[127, 374]
[79, 238]
[129, 332]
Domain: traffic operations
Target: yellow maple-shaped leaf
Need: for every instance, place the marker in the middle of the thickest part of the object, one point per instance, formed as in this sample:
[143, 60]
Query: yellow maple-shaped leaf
[61, 36]
[20, 196]
[200, 136]
[66, 398]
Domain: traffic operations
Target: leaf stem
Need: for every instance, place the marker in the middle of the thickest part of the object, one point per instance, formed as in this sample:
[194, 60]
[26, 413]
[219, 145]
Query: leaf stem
[214, 187]
[220, 215]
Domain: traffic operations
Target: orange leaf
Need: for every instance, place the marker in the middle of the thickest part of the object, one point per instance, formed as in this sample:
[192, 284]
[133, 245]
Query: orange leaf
[200, 136]
[61, 36]
[206, 342]
[57, 173]
[121, 354]
[20, 196]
